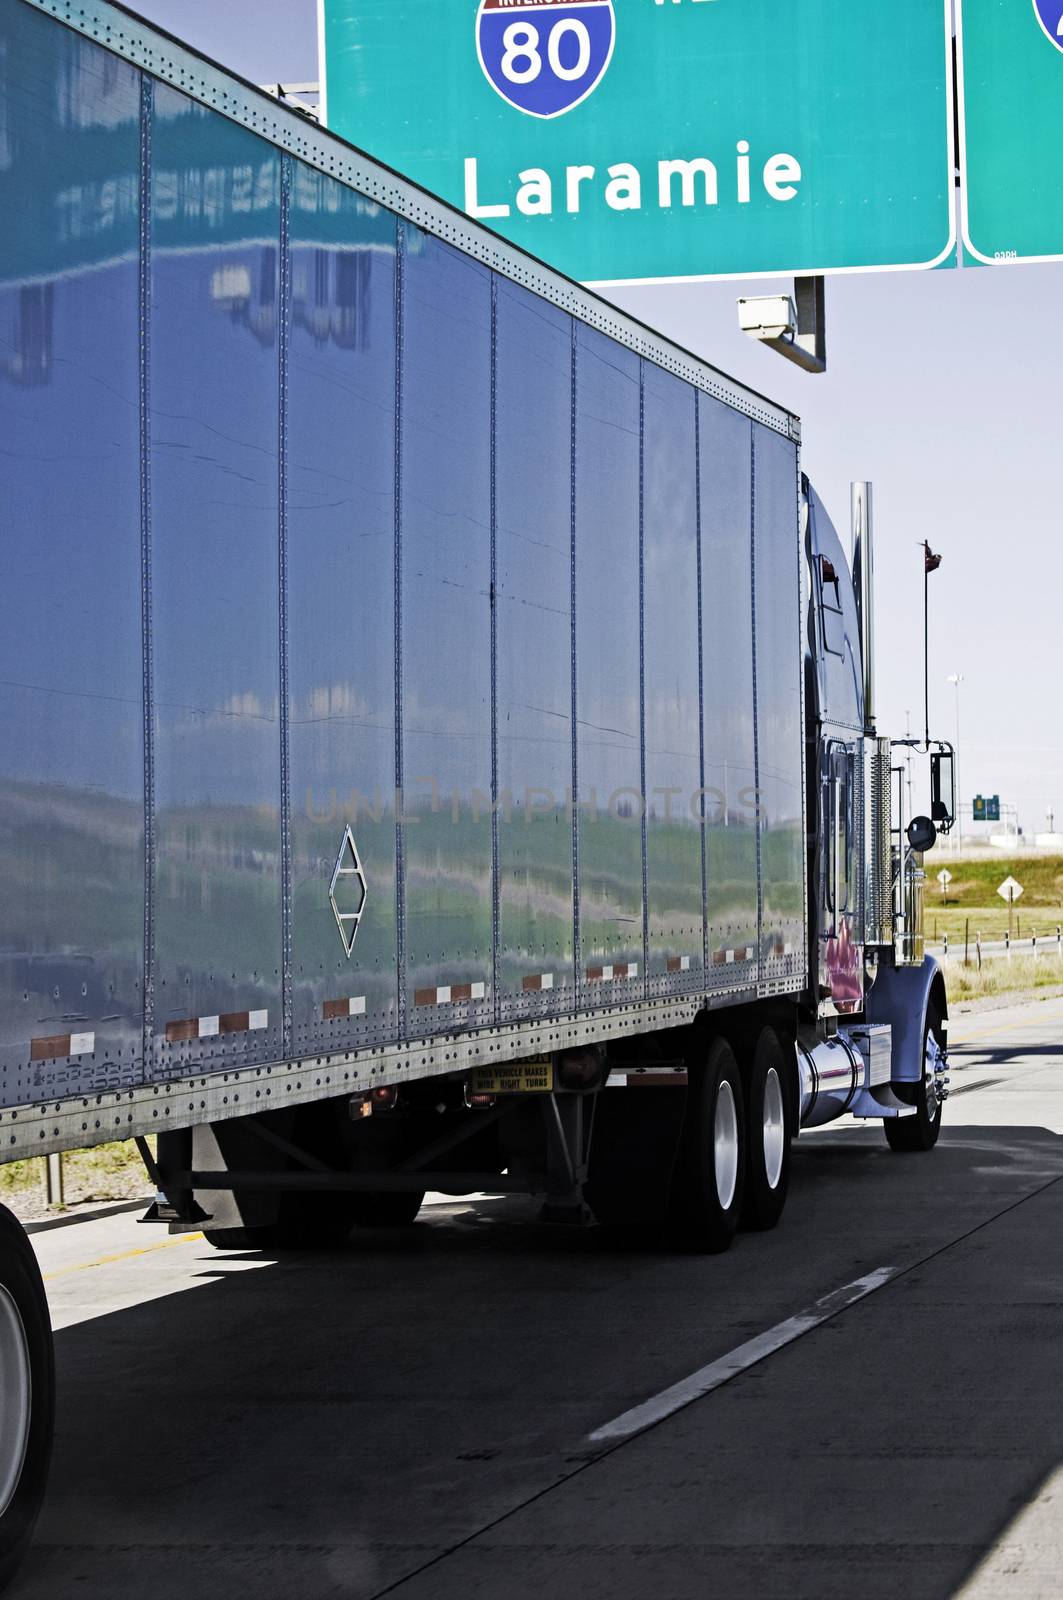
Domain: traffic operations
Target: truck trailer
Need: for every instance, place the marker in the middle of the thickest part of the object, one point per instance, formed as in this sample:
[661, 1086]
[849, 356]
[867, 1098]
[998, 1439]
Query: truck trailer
[438, 742]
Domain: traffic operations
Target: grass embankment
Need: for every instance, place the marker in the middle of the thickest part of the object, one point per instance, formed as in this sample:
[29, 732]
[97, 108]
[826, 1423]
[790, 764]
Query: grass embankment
[90, 1177]
[971, 900]
[1020, 975]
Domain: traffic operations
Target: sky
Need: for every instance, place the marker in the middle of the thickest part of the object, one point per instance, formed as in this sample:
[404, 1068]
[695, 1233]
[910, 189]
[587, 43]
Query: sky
[943, 388]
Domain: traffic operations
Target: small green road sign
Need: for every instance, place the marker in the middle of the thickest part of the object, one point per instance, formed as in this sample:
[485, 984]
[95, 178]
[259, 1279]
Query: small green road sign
[978, 808]
[992, 808]
[1011, 128]
[630, 141]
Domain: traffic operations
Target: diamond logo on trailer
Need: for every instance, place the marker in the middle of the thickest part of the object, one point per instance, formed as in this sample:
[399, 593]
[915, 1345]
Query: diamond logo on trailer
[545, 56]
[347, 891]
[1050, 16]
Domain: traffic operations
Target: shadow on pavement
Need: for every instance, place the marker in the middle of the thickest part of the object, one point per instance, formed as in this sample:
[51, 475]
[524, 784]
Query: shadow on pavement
[328, 1423]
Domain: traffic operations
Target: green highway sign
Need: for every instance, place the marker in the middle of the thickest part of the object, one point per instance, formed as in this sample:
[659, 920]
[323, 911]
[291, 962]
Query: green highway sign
[1011, 123]
[663, 140]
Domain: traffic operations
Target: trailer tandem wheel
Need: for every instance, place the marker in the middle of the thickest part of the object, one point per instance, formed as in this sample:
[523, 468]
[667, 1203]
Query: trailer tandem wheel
[380, 1209]
[709, 1183]
[306, 1222]
[27, 1394]
[769, 1132]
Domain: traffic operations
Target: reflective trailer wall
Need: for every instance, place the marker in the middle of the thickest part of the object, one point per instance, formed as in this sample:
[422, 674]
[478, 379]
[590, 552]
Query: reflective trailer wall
[71, 752]
[780, 743]
[608, 708]
[324, 544]
[726, 476]
[341, 612]
[533, 711]
[445, 542]
[213, 407]
[672, 684]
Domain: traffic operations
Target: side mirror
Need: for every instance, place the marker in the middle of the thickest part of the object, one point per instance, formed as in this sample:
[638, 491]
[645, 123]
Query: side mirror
[922, 835]
[943, 789]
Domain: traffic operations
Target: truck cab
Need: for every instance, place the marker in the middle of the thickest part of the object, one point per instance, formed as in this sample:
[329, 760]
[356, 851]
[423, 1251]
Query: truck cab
[870, 977]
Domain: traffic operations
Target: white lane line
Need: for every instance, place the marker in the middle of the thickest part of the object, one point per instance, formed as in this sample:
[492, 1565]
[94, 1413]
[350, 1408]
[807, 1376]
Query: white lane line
[738, 1360]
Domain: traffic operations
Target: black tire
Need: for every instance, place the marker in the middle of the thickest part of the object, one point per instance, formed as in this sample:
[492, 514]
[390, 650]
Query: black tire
[263, 1238]
[707, 1188]
[921, 1131]
[25, 1346]
[306, 1222]
[768, 1133]
[386, 1208]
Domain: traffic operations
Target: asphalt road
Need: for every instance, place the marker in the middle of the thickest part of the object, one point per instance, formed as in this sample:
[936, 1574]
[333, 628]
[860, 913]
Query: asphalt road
[413, 1416]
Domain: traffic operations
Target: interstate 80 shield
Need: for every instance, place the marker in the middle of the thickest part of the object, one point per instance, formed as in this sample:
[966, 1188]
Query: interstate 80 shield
[545, 56]
[1050, 16]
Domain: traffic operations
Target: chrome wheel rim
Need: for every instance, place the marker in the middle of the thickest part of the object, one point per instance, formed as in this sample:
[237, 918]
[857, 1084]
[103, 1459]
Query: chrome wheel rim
[931, 1067]
[725, 1145]
[16, 1396]
[774, 1129]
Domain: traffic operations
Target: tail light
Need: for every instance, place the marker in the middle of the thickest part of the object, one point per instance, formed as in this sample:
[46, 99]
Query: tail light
[385, 1097]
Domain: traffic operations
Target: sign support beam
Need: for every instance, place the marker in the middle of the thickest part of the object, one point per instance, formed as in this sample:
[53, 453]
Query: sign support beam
[795, 326]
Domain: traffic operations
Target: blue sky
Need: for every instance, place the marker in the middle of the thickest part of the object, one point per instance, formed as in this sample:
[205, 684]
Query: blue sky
[943, 388]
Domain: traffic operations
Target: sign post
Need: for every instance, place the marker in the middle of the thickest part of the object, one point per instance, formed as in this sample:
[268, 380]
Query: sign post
[944, 878]
[1010, 890]
[631, 141]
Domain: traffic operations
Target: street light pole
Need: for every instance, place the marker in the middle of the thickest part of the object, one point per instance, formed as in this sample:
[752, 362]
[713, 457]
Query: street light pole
[956, 678]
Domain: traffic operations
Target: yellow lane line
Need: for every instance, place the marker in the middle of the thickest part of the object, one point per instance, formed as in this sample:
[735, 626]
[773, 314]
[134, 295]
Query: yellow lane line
[122, 1255]
[1007, 1027]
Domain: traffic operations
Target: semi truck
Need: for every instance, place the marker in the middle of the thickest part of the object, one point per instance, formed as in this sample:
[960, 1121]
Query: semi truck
[438, 735]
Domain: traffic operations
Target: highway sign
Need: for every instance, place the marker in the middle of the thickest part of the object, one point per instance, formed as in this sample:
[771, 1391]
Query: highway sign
[944, 877]
[651, 142]
[992, 805]
[545, 62]
[1010, 890]
[1011, 128]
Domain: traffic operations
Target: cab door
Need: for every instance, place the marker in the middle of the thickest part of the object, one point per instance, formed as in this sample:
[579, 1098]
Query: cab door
[841, 950]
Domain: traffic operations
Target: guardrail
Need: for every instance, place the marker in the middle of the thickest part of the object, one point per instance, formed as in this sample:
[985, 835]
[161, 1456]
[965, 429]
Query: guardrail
[974, 952]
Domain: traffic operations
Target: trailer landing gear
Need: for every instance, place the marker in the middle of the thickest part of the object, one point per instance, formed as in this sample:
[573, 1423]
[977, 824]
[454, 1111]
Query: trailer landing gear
[27, 1394]
[302, 1180]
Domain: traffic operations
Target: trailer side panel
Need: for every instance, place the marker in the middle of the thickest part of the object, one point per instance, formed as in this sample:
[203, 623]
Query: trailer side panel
[407, 648]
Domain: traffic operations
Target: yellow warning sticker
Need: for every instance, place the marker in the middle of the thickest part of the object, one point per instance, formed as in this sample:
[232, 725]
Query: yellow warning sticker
[516, 1077]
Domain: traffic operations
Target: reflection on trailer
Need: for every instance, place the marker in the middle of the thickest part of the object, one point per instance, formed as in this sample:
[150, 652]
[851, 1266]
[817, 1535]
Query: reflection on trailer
[439, 748]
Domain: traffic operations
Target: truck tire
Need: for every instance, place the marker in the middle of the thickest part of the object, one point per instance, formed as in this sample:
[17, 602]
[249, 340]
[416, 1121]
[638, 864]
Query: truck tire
[306, 1222]
[27, 1394]
[707, 1190]
[263, 1238]
[386, 1209]
[768, 1134]
[921, 1131]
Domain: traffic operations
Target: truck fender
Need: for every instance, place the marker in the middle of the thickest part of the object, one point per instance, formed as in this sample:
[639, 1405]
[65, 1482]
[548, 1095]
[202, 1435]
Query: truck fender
[900, 996]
